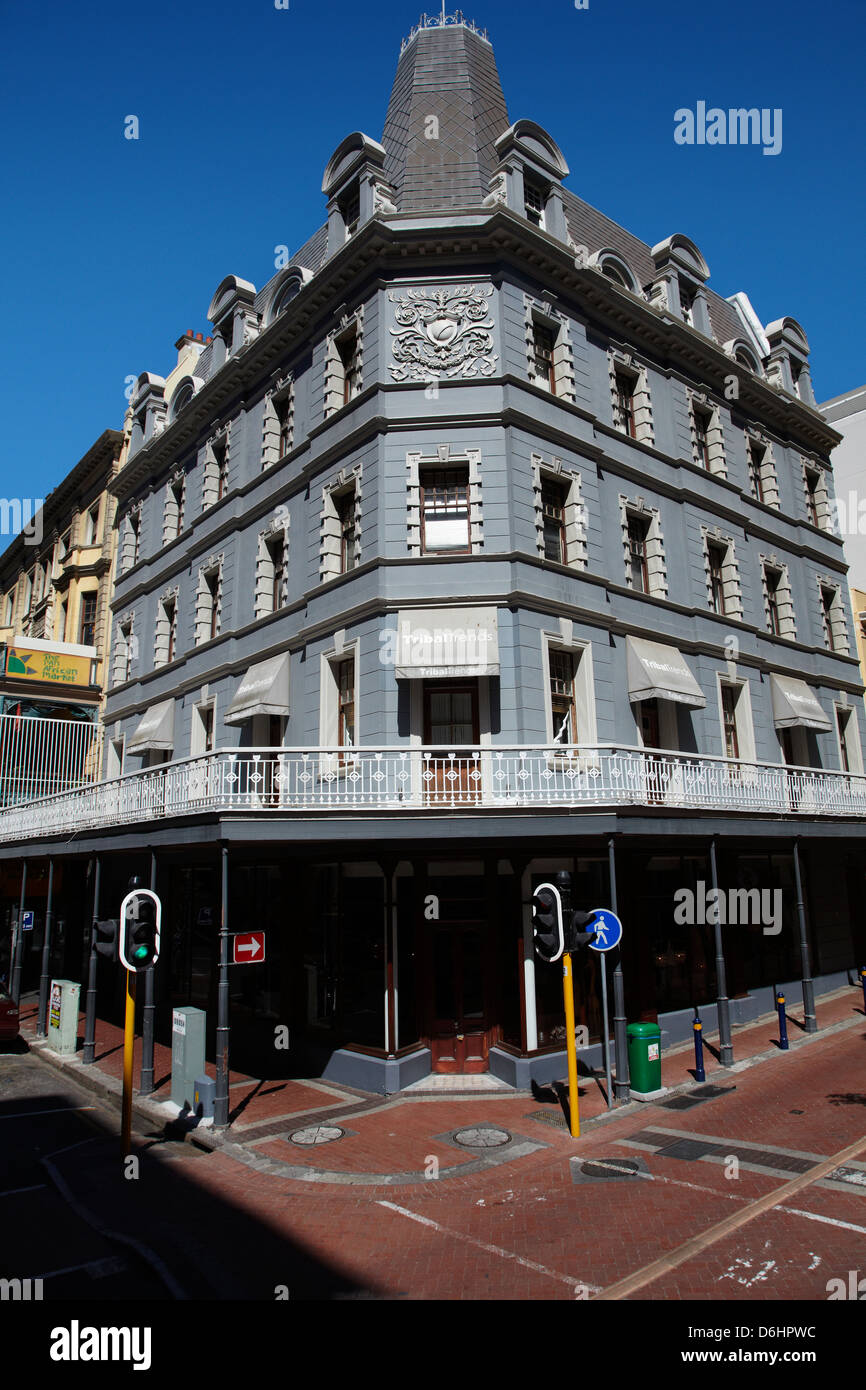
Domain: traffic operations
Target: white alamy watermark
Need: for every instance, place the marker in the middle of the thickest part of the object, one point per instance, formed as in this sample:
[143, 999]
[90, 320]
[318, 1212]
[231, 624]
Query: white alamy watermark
[849, 514]
[21, 1290]
[731, 907]
[22, 515]
[77, 1343]
[736, 126]
[438, 646]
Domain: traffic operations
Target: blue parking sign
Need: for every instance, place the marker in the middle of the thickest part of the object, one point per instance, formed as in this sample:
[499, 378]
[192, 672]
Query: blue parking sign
[27, 921]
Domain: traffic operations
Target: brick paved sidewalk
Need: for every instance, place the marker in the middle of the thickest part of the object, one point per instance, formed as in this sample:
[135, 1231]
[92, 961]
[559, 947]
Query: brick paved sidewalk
[264, 1112]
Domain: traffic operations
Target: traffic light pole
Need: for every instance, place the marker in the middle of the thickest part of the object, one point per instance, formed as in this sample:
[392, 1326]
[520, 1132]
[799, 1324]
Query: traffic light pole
[128, 1050]
[571, 1046]
[90, 1014]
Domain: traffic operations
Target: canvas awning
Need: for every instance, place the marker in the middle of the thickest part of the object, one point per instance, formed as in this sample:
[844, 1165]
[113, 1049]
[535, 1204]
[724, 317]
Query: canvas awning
[263, 690]
[155, 733]
[438, 643]
[795, 705]
[657, 672]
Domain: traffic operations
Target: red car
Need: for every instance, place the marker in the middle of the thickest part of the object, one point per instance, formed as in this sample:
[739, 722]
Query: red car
[8, 1018]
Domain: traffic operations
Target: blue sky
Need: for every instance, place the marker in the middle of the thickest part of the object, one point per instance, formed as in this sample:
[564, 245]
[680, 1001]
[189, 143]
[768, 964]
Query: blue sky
[114, 247]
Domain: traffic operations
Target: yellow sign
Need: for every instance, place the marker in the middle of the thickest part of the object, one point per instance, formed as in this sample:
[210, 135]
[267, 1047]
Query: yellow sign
[26, 664]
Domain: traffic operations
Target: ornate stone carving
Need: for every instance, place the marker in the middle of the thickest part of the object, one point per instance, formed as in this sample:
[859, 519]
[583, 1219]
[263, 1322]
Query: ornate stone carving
[498, 191]
[381, 201]
[442, 333]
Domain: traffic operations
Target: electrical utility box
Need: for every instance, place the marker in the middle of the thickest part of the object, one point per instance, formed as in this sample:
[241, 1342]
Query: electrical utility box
[63, 1016]
[187, 1053]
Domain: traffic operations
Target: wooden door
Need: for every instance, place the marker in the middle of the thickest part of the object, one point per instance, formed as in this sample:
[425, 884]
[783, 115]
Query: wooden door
[649, 729]
[451, 719]
[458, 1026]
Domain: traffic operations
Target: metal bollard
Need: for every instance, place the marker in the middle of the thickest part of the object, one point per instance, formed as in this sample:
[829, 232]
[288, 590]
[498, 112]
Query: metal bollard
[700, 1074]
[783, 1024]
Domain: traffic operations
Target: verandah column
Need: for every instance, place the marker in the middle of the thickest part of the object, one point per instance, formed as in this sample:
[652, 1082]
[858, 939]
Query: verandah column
[622, 1080]
[726, 1050]
[221, 1097]
[90, 1012]
[42, 1017]
[810, 1020]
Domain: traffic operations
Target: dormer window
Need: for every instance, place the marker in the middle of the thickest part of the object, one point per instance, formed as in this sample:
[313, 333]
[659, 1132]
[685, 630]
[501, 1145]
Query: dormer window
[615, 274]
[534, 199]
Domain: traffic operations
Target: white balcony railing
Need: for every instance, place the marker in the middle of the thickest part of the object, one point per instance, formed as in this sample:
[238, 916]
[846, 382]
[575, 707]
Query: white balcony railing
[269, 781]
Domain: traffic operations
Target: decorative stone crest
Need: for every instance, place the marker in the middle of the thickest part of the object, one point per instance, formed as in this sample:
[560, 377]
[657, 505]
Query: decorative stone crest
[443, 333]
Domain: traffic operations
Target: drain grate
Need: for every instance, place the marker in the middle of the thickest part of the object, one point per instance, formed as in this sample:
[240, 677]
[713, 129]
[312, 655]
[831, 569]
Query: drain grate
[696, 1097]
[548, 1117]
[687, 1149]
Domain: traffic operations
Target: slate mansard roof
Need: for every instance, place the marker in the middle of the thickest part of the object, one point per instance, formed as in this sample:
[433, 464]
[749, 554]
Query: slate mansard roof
[449, 73]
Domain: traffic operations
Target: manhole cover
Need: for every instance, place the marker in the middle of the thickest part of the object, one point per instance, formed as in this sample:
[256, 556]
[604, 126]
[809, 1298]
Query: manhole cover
[609, 1168]
[479, 1138]
[316, 1134]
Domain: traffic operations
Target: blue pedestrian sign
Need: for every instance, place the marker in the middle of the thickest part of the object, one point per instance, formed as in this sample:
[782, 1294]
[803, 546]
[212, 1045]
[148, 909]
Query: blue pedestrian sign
[608, 929]
[27, 921]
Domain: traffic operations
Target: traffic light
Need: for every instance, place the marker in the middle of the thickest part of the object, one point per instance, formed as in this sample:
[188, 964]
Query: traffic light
[140, 917]
[106, 938]
[547, 922]
[577, 934]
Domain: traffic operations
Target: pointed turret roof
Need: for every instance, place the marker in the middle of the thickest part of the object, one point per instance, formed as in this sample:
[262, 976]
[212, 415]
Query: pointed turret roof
[446, 111]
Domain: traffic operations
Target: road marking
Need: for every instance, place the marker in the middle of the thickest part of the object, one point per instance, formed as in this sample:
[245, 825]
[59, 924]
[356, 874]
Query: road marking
[491, 1249]
[698, 1244]
[15, 1191]
[56, 1110]
[827, 1220]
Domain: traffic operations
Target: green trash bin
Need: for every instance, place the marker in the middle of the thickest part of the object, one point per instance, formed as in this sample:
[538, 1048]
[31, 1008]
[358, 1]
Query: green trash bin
[645, 1056]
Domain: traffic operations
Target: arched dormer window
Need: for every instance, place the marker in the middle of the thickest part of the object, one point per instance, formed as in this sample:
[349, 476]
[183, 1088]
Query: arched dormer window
[614, 268]
[747, 359]
[181, 398]
[288, 287]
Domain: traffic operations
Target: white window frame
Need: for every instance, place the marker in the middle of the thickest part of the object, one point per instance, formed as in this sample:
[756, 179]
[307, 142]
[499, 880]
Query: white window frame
[584, 686]
[853, 747]
[742, 714]
[541, 314]
[335, 371]
[174, 507]
[787, 618]
[329, 695]
[206, 599]
[114, 758]
[544, 471]
[265, 575]
[718, 465]
[838, 623]
[768, 470]
[130, 541]
[283, 393]
[657, 574]
[730, 573]
[163, 628]
[212, 469]
[823, 508]
[197, 736]
[125, 643]
[416, 462]
[625, 364]
[347, 482]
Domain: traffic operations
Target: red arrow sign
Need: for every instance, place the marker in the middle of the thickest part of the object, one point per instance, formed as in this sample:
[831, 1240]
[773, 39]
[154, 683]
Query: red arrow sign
[248, 948]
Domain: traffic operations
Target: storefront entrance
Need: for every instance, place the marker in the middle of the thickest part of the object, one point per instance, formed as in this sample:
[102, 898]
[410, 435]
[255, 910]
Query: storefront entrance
[457, 950]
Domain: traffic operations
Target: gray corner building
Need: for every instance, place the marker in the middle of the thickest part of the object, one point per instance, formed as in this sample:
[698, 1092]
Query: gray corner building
[484, 541]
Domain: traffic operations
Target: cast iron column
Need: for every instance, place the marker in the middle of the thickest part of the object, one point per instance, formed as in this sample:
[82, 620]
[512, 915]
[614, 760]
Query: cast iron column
[809, 1019]
[726, 1050]
[17, 940]
[620, 1037]
[146, 1087]
[90, 1015]
[221, 1098]
[42, 1019]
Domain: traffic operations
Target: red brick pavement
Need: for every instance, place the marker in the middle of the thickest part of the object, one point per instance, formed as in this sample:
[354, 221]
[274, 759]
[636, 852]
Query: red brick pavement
[523, 1229]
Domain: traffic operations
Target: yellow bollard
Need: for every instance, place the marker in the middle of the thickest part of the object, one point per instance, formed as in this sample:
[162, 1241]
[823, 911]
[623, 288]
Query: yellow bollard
[568, 992]
[128, 1050]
